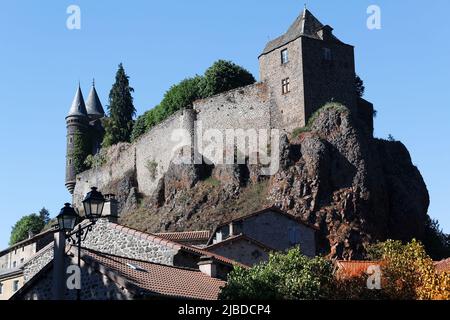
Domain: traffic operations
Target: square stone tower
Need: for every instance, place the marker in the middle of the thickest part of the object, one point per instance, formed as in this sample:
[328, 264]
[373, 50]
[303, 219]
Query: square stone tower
[304, 69]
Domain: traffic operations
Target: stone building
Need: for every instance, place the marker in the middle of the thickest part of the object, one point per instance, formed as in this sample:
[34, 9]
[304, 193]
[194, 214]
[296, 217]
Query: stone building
[250, 238]
[300, 71]
[13, 259]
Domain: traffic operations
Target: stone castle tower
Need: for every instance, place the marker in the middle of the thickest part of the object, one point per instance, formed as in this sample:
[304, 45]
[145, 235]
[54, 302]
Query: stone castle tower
[306, 68]
[83, 120]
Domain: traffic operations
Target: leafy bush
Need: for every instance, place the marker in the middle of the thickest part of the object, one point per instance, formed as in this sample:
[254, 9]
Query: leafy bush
[409, 273]
[360, 88]
[220, 77]
[289, 276]
[31, 223]
[152, 167]
[96, 161]
[224, 76]
[436, 242]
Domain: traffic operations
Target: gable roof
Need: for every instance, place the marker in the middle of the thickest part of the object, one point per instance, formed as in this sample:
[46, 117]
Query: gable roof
[240, 237]
[142, 278]
[158, 279]
[27, 241]
[306, 25]
[185, 236]
[175, 245]
[269, 209]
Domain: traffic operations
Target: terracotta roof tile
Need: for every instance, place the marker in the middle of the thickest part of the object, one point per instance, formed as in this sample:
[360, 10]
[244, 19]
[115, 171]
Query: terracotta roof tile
[443, 266]
[349, 269]
[159, 279]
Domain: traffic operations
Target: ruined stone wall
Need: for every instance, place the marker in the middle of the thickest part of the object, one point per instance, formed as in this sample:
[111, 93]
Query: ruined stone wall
[144, 162]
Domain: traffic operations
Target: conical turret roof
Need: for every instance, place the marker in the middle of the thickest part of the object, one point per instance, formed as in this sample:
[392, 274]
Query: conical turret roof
[78, 108]
[94, 106]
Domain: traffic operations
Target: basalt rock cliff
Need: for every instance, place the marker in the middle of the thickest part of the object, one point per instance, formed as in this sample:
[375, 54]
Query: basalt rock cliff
[355, 188]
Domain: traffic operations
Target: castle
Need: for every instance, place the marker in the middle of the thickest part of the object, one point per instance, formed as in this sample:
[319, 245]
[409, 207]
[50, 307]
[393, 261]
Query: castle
[300, 72]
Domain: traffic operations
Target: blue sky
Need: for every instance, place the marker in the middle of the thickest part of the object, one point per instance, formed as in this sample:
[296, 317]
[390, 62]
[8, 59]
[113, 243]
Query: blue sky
[405, 66]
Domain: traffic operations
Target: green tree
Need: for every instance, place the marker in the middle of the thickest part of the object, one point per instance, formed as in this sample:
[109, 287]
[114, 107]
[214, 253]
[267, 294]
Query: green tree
[224, 76]
[139, 128]
[80, 152]
[436, 242]
[31, 223]
[119, 126]
[360, 88]
[289, 276]
[44, 214]
[408, 272]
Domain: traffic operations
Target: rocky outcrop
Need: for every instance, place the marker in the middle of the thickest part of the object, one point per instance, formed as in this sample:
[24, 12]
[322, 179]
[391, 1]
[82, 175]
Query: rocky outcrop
[335, 175]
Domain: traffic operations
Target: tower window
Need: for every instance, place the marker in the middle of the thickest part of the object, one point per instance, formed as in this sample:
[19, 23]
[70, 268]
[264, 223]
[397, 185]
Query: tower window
[327, 56]
[284, 56]
[285, 87]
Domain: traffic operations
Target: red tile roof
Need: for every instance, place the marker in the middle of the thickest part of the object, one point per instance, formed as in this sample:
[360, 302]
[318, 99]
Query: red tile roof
[442, 266]
[349, 269]
[185, 236]
[152, 278]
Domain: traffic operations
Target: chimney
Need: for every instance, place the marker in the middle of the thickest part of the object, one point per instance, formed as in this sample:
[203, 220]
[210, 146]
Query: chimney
[30, 234]
[111, 208]
[208, 266]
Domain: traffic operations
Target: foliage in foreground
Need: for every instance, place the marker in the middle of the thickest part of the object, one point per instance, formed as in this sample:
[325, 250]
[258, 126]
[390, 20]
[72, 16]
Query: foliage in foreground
[288, 276]
[407, 273]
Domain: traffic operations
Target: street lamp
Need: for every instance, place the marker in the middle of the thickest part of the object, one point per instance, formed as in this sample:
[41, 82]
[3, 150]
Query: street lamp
[93, 206]
[67, 218]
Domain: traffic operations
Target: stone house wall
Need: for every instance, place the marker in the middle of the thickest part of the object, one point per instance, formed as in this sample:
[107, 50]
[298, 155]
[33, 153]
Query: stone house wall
[241, 250]
[98, 287]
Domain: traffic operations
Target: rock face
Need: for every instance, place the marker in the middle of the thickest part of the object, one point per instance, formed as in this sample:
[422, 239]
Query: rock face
[357, 189]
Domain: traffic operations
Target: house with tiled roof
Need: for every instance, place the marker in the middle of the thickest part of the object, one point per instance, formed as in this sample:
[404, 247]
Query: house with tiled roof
[13, 259]
[250, 238]
[109, 277]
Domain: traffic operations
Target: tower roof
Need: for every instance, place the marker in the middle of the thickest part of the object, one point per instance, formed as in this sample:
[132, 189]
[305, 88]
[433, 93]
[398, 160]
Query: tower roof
[78, 108]
[93, 105]
[306, 25]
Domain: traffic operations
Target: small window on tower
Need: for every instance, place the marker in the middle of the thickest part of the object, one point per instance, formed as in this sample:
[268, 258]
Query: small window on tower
[70, 139]
[284, 56]
[327, 56]
[285, 87]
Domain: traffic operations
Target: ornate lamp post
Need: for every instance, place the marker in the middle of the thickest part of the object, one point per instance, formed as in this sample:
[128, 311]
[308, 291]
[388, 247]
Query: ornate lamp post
[93, 207]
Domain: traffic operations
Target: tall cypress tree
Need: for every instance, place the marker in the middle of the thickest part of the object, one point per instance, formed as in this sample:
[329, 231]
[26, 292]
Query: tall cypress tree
[121, 111]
